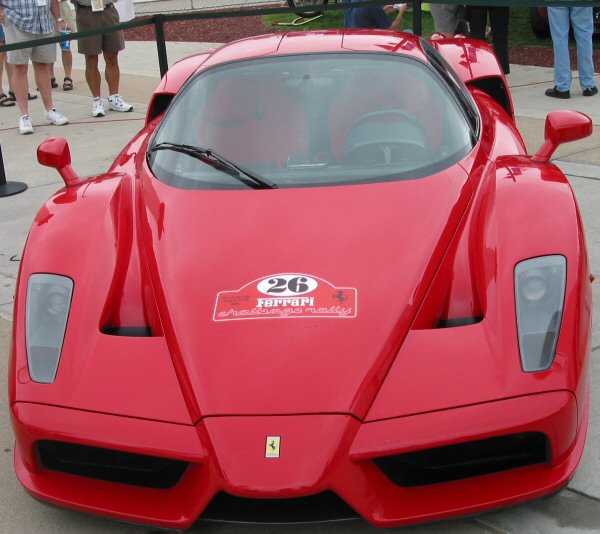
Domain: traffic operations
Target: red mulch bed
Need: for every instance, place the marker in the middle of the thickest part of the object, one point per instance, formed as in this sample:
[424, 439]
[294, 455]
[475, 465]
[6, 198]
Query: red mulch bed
[230, 29]
[203, 30]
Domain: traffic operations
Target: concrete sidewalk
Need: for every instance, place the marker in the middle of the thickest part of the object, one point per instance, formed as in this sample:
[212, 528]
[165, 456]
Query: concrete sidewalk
[96, 142]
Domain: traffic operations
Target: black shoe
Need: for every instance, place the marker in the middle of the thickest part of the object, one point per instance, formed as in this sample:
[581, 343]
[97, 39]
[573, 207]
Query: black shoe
[555, 93]
[590, 91]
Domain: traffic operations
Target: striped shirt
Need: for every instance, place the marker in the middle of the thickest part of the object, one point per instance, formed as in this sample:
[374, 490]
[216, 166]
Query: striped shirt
[27, 16]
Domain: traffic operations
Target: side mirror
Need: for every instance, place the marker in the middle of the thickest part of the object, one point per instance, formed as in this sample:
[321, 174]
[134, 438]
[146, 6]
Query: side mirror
[55, 153]
[562, 127]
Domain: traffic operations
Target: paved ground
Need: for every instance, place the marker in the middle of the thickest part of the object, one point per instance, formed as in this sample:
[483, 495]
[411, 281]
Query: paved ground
[95, 142]
[171, 6]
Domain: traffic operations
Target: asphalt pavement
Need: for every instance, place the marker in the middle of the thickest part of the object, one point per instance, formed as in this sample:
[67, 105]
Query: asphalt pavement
[96, 142]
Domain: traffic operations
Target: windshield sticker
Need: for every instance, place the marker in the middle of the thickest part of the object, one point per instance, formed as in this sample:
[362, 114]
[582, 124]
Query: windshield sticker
[286, 296]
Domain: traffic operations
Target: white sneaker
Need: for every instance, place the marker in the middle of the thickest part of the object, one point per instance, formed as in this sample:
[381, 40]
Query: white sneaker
[25, 126]
[98, 109]
[55, 117]
[116, 103]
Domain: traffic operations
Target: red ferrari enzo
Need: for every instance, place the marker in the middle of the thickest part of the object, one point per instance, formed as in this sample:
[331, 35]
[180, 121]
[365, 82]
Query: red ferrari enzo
[326, 279]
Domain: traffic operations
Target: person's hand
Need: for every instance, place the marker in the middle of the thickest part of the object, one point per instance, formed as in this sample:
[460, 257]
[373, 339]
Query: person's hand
[402, 8]
[397, 24]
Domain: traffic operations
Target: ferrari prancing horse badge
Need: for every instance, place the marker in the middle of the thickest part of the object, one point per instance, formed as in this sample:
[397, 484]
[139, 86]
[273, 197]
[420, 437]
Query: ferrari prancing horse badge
[272, 446]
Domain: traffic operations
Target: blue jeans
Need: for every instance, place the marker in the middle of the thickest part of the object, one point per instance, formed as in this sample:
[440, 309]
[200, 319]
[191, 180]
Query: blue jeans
[582, 19]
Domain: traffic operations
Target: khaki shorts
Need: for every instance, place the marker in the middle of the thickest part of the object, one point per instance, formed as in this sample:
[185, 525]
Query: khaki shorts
[103, 42]
[66, 13]
[445, 17]
[40, 54]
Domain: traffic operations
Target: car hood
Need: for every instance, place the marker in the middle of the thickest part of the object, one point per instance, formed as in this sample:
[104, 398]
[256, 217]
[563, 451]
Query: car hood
[371, 249]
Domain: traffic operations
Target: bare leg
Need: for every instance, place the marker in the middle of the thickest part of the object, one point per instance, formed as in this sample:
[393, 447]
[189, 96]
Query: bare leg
[67, 61]
[42, 78]
[20, 86]
[9, 71]
[92, 75]
[2, 61]
[112, 72]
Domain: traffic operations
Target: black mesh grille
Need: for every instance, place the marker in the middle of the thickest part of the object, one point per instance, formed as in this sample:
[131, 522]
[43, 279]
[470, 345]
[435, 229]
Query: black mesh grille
[465, 460]
[111, 465]
[326, 506]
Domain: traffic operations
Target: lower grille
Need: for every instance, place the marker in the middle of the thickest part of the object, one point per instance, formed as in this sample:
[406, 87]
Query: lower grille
[326, 506]
[465, 460]
[111, 465]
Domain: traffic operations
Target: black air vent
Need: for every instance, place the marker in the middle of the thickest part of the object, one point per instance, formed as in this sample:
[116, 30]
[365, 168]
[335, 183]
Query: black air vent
[326, 506]
[160, 104]
[460, 321]
[127, 331]
[496, 89]
[465, 460]
[111, 465]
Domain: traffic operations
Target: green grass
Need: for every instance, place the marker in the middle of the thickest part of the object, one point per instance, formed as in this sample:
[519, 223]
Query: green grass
[520, 33]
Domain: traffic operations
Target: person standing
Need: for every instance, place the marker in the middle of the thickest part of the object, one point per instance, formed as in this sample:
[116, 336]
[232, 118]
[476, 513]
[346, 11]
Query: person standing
[65, 49]
[95, 14]
[27, 20]
[499, 16]
[582, 19]
[445, 18]
[5, 100]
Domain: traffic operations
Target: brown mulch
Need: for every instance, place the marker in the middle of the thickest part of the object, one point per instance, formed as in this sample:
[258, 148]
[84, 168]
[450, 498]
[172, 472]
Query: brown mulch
[203, 30]
[230, 29]
[540, 56]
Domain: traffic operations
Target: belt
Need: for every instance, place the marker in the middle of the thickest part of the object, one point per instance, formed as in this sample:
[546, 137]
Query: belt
[80, 6]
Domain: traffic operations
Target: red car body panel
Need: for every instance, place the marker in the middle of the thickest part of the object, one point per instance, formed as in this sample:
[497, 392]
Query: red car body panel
[327, 236]
[352, 476]
[340, 392]
[471, 59]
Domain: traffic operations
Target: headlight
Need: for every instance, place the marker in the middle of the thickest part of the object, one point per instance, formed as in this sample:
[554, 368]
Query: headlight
[540, 297]
[48, 305]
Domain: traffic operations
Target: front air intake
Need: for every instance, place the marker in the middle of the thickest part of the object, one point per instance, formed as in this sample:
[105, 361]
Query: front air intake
[111, 465]
[326, 506]
[465, 460]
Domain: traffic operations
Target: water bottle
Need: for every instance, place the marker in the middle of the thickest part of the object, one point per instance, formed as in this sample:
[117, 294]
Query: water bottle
[65, 45]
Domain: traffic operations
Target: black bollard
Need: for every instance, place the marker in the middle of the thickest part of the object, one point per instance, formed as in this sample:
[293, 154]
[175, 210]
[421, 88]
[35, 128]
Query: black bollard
[417, 17]
[8, 188]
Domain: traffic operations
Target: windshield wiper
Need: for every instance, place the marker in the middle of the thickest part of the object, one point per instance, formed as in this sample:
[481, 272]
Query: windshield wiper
[210, 157]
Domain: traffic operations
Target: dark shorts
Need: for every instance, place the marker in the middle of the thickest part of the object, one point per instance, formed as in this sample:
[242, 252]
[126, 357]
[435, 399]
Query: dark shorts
[104, 42]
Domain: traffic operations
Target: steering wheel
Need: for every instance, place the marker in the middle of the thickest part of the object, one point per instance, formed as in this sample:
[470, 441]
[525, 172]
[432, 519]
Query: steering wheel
[387, 113]
[390, 150]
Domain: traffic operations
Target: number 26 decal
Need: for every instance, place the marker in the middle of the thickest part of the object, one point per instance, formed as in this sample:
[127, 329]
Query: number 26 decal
[287, 285]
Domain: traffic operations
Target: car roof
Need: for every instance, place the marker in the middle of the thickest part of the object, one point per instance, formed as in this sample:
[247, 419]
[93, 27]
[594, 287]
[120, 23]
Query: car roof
[318, 42]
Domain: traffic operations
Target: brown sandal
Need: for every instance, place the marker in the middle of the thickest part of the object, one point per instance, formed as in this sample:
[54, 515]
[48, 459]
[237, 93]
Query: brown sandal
[14, 98]
[5, 101]
[67, 84]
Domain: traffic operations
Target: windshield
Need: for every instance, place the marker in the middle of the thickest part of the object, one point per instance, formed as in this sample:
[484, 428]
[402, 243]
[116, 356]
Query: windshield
[312, 120]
